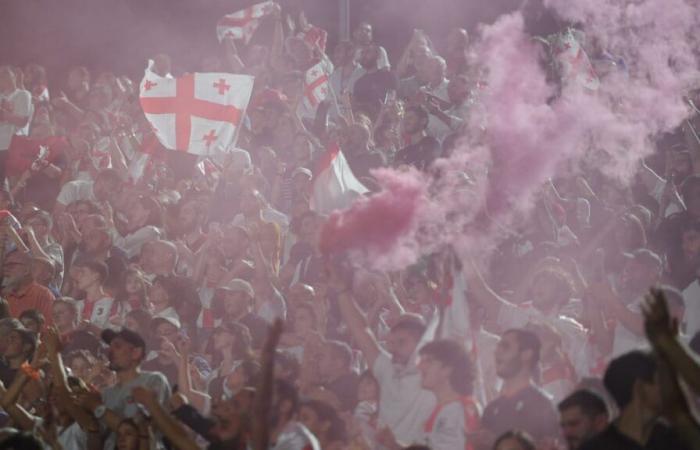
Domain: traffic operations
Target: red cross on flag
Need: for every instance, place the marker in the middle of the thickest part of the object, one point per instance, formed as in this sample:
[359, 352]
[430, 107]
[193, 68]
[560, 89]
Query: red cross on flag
[197, 113]
[334, 184]
[242, 24]
[316, 87]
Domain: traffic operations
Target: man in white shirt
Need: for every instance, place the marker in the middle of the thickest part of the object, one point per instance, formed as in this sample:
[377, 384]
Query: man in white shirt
[15, 112]
[404, 406]
[127, 349]
[447, 372]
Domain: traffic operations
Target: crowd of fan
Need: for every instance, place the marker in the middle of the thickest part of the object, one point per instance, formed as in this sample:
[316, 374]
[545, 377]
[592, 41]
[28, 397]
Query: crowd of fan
[141, 311]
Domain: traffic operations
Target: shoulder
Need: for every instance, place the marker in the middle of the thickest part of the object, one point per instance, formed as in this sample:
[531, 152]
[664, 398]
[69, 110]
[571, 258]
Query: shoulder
[152, 380]
[21, 94]
[41, 291]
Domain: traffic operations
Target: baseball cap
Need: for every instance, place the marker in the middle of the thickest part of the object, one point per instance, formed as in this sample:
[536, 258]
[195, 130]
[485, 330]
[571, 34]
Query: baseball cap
[126, 334]
[238, 285]
[172, 320]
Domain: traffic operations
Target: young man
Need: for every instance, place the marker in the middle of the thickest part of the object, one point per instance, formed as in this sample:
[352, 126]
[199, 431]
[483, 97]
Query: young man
[20, 344]
[633, 381]
[446, 371]
[337, 375]
[20, 289]
[517, 357]
[404, 406]
[419, 150]
[127, 350]
[583, 414]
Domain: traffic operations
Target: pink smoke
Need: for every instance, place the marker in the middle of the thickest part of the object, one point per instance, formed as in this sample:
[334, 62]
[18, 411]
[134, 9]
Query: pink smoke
[524, 131]
[372, 228]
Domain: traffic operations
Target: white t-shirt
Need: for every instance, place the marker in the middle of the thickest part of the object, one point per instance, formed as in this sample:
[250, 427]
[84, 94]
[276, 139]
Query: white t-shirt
[19, 103]
[404, 406]
[118, 397]
[296, 436]
[100, 311]
[624, 340]
[446, 431]
[76, 190]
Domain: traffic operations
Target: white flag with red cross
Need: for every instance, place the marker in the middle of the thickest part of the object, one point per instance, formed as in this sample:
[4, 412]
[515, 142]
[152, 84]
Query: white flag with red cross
[573, 61]
[314, 36]
[316, 87]
[242, 24]
[334, 185]
[197, 113]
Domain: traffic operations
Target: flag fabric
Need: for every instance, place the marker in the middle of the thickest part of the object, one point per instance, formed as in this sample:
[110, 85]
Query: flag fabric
[314, 36]
[452, 302]
[572, 59]
[242, 24]
[334, 185]
[197, 113]
[316, 87]
[100, 156]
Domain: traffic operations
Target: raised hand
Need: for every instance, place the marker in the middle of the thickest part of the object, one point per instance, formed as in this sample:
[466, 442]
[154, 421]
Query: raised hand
[658, 323]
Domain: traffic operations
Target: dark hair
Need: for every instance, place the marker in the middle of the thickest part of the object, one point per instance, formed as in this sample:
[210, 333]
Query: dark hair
[326, 413]
[284, 390]
[98, 267]
[171, 288]
[591, 404]
[22, 440]
[624, 371]
[251, 370]
[521, 437]
[410, 323]
[287, 362]
[452, 355]
[421, 112]
[527, 340]
[33, 314]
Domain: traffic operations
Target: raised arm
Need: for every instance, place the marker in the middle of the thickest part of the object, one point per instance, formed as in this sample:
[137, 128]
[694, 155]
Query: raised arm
[166, 423]
[358, 326]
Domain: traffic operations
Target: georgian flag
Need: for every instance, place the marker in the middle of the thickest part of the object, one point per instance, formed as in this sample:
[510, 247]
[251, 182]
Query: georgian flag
[316, 87]
[573, 61]
[314, 36]
[197, 113]
[334, 184]
[242, 24]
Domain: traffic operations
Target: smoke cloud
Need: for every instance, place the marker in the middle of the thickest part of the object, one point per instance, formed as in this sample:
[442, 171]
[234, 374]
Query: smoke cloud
[526, 130]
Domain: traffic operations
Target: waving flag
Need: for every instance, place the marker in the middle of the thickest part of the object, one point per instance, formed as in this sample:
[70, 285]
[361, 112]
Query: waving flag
[198, 113]
[242, 24]
[314, 36]
[334, 184]
[573, 61]
[452, 303]
[316, 88]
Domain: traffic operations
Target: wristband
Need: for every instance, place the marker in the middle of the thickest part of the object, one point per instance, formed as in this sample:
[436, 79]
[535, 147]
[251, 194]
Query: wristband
[30, 371]
[100, 411]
